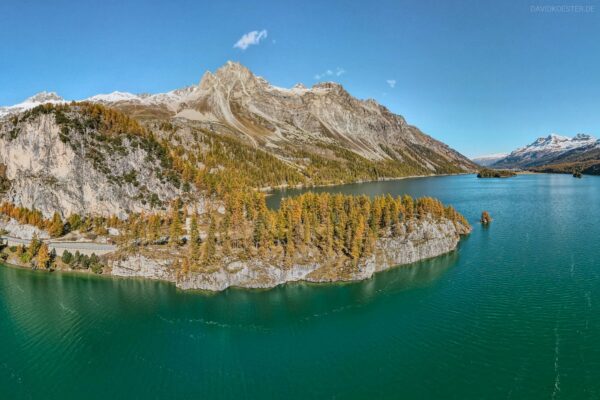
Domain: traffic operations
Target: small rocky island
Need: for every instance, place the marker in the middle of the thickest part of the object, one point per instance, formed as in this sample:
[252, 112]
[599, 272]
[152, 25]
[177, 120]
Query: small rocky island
[495, 173]
[486, 218]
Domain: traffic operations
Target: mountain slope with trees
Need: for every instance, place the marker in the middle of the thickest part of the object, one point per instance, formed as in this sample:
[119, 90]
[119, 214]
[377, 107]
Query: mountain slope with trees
[177, 185]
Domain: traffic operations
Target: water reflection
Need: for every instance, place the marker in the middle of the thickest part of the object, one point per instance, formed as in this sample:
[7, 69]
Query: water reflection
[49, 298]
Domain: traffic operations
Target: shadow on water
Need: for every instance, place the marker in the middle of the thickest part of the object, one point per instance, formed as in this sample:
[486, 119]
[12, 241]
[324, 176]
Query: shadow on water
[303, 300]
[49, 297]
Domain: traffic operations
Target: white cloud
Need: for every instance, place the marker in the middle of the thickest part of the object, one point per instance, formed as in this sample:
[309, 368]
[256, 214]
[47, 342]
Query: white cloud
[250, 38]
[391, 82]
[339, 71]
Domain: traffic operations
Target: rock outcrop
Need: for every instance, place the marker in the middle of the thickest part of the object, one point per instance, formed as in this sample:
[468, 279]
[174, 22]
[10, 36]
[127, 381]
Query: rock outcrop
[14, 229]
[54, 167]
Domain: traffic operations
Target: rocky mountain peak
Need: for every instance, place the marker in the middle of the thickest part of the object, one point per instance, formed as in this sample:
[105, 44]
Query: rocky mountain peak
[44, 97]
[228, 75]
[328, 86]
[234, 71]
[551, 138]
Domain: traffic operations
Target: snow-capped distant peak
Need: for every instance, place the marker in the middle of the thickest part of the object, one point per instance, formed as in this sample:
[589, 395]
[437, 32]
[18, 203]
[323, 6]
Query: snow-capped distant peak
[488, 159]
[557, 143]
[544, 149]
[44, 97]
[32, 102]
[114, 97]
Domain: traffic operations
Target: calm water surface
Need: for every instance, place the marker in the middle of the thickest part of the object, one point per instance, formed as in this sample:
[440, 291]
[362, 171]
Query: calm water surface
[514, 313]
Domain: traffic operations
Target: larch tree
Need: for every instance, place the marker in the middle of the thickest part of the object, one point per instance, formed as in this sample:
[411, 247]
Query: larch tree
[210, 245]
[43, 256]
[56, 227]
[194, 248]
[175, 228]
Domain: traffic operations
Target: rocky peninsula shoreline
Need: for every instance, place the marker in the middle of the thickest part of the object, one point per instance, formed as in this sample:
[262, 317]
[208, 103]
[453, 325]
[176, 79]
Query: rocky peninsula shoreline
[428, 239]
[420, 240]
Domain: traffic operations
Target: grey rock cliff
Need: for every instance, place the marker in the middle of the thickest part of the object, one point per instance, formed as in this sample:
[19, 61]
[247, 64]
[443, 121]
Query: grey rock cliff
[48, 173]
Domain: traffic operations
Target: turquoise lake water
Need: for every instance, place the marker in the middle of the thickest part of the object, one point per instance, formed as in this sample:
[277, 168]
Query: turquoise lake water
[514, 313]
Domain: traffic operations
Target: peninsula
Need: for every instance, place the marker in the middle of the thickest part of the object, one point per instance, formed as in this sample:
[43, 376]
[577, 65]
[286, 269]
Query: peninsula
[167, 186]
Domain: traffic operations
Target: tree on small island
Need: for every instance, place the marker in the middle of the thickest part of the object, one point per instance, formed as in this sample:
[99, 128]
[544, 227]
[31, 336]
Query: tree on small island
[495, 173]
[577, 174]
[485, 218]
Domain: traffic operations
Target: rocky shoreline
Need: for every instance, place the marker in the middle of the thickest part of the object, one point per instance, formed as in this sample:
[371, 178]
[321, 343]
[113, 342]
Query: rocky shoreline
[428, 239]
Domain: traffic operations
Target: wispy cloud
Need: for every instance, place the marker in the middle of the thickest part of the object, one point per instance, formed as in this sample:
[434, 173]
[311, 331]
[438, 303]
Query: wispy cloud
[339, 71]
[391, 82]
[250, 38]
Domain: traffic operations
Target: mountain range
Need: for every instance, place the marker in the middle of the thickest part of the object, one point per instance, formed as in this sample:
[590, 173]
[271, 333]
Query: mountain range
[74, 157]
[552, 153]
[235, 101]
[62, 159]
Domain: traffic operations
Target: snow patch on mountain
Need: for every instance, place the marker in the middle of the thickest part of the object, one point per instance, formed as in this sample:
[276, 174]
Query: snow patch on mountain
[32, 102]
[114, 97]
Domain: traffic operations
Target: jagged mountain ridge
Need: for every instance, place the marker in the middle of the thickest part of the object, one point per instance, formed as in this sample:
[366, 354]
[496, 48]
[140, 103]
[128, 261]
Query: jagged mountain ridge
[547, 150]
[235, 102]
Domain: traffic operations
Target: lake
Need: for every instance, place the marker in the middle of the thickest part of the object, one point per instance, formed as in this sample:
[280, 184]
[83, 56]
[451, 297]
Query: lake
[513, 313]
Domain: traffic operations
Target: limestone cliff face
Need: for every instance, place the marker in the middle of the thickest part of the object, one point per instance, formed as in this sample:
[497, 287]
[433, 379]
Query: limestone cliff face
[51, 168]
[21, 231]
[424, 239]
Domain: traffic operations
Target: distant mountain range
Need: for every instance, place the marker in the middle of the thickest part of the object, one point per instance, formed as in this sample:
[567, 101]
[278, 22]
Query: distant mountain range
[487, 160]
[553, 153]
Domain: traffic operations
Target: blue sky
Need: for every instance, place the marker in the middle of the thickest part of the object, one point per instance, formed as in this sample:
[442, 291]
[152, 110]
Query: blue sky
[482, 76]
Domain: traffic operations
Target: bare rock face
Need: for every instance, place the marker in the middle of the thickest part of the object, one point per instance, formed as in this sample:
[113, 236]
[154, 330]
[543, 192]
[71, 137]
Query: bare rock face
[428, 239]
[51, 169]
[21, 231]
[143, 267]
[424, 239]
